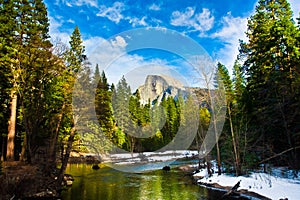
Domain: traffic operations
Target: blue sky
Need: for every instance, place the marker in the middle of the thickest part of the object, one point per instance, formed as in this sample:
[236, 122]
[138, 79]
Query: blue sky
[213, 24]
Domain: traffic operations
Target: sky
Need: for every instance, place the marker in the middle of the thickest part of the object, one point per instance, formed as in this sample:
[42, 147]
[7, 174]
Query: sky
[138, 37]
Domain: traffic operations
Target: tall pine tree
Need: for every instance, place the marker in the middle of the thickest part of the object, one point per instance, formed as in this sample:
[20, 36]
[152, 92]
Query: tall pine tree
[103, 105]
[120, 99]
[76, 69]
[272, 70]
[27, 55]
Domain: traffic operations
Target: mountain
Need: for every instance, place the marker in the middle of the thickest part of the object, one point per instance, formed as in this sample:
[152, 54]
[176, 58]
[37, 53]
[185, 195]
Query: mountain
[157, 87]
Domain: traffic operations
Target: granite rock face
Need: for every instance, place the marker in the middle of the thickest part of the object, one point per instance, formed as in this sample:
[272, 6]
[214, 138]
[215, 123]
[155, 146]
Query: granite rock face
[157, 87]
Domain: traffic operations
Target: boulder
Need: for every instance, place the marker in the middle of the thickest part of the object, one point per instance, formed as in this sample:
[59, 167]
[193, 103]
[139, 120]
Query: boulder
[166, 168]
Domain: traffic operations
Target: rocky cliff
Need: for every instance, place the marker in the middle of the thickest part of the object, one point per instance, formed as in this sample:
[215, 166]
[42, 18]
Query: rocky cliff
[158, 86]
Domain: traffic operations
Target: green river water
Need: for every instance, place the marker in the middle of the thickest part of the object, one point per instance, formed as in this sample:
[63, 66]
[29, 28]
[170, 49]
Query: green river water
[110, 184]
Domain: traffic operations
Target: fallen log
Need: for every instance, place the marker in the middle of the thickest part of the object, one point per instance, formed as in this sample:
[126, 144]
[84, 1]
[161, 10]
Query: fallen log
[233, 190]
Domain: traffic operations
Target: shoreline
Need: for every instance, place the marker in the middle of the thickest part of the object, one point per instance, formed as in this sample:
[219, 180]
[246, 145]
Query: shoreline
[15, 173]
[188, 170]
[225, 189]
[215, 186]
[20, 180]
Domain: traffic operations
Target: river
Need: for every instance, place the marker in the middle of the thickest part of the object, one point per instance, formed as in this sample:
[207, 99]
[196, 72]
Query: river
[110, 184]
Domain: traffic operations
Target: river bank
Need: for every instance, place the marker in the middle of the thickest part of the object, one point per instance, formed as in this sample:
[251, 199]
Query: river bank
[20, 180]
[191, 170]
[278, 184]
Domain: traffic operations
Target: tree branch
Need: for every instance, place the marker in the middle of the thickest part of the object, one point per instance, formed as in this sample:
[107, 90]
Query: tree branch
[279, 154]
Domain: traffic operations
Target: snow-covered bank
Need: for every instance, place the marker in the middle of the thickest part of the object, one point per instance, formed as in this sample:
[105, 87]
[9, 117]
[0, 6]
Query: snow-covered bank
[271, 186]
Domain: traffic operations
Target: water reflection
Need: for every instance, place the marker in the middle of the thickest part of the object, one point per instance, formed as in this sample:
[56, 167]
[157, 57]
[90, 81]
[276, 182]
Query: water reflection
[109, 184]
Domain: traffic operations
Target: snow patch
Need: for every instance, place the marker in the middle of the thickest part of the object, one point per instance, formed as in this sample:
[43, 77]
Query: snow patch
[271, 186]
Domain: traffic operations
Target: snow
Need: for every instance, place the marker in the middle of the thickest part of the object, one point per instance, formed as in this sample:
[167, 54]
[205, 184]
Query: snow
[128, 158]
[271, 186]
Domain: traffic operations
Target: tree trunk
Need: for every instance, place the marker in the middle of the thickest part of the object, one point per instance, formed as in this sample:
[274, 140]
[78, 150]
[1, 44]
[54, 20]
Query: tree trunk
[131, 145]
[27, 139]
[3, 148]
[216, 132]
[198, 149]
[208, 165]
[53, 144]
[12, 127]
[218, 158]
[236, 156]
[28, 148]
[24, 146]
[66, 158]
[293, 158]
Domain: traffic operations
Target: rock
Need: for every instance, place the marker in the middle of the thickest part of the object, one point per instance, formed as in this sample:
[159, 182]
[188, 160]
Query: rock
[95, 167]
[68, 177]
[166, 168]
[68, 180]
[69, 183]
[158, 86]
[43, 194]
[186, 168]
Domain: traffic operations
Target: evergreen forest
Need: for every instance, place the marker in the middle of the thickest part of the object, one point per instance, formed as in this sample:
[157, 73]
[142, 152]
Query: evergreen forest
[38, 75]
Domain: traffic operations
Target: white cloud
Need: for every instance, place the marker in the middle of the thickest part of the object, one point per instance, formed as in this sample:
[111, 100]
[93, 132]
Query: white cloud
[154, 7]
[59, 17]
[112, 57]
[183, 18]
[232, 30]
[233, 27]
[196, 21]
[71, 21]
[155, 21]
[134, 21]
[135, 69]
[55, 24]
[119, 42]
[295, 5]
[92, 3]
[204, 20]
[105, 51]
[113, 13]
[91, 44]
[71, 3]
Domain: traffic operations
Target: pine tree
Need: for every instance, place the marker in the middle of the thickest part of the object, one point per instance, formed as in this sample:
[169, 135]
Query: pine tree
[7, 26]
[271, 62]
[38, 66]
[223, 79]
[103, 105]
[138, 120]
[188, 117]
[26, 46]
[96, 77]
[172, 119]
[121, 97]
[8, 15]
[76, 68]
